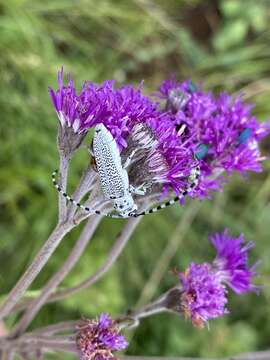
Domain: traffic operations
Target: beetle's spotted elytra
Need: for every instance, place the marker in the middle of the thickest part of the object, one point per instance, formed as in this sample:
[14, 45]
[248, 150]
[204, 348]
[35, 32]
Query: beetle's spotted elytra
[114, 178]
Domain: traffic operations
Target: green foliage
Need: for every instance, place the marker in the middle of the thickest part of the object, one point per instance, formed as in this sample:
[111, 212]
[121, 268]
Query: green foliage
[239, 20]
[227, 47]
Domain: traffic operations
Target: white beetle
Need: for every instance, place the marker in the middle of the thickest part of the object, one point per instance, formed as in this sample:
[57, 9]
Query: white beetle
[113, 176]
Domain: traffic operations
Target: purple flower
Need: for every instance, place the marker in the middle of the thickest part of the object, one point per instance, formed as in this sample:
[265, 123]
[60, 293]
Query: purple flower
[98, 339]
[84, 110]
[161, 157]
[231, 261]
[118, 109]
[172, 160]
[203, 286]
[223, 125]
[128, 108]
[203, 296]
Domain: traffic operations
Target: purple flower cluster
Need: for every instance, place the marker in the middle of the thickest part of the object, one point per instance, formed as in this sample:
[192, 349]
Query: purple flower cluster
[98, 339]
[204, 292]
[169, 163]
[222, 131]
[193, 128]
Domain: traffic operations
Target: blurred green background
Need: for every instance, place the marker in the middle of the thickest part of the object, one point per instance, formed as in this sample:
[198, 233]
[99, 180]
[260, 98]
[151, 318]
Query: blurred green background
[226, 45]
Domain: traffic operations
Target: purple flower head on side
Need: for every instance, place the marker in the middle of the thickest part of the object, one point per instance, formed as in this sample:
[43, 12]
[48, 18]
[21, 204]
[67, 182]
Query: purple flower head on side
[203, 295]
[64, 100]
[231, 261]
[99, 339]
[223, 126]
[230, 131]
[81, 111]
[178, 156]
[161, 157]
[204, 286]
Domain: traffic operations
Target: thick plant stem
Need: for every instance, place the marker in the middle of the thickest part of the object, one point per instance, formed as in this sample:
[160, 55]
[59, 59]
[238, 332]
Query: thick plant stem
[30, 344]
[24, 304]
[33, 270]
[111, 259]
[164, 303]
[59, 276]
[50, 330]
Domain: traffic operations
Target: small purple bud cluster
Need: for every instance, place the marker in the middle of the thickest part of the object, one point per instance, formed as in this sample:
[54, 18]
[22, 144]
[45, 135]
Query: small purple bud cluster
[99, 339]
[204, 292]
[193, 128]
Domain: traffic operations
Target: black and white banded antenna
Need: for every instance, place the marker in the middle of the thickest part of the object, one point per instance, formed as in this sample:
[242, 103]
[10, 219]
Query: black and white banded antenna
[194, 179]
